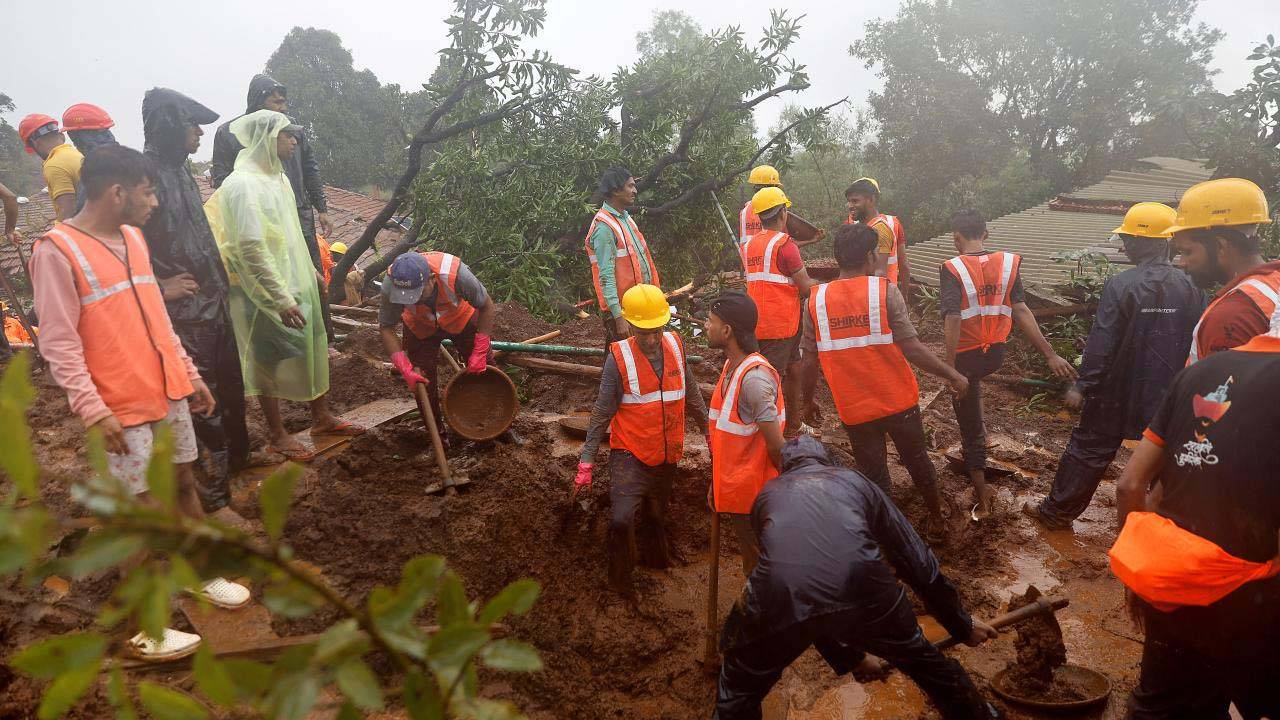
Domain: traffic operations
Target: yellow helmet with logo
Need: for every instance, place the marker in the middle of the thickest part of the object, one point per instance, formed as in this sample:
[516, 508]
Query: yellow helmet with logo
[765, 175]
[1221, 203]
[767, 199]
[646, 307]
[1148, 219]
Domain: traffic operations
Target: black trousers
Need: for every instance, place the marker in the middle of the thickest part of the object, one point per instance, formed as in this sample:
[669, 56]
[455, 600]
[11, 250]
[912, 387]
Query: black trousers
[224, 435]
[749, 672]
[425, 353]
[1197, 661]
[1080, 470]
[638, 495]
[975, 365]
[907, 432]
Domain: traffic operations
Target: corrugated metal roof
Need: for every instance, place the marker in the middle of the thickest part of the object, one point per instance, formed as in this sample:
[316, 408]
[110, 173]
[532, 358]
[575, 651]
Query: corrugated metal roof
[1040, 232]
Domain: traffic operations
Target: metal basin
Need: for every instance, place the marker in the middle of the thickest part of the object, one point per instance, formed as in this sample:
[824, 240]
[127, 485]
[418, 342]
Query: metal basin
[481, 406]
[1093, 687]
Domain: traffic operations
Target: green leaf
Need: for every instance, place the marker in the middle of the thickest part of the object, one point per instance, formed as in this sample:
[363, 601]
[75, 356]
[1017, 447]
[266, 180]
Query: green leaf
[160, 478]
[155, 610]
[511, 655]
[452, 603]
[293, 697]
[275, 496]
[251, 678]
[102, 549]
[486, 709]
[69, 687]
[17, 456]
[349, 712]
[213, 678]
[516, 598]
[50, 658]
[118, 696]
[291, 599]
[343, 638]
[419, 582]
[422, 697]
[359, 684]
[163, 703]
[453, 647]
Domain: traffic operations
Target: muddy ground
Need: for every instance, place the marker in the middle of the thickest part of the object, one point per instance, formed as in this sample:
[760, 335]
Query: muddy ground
[361, 513]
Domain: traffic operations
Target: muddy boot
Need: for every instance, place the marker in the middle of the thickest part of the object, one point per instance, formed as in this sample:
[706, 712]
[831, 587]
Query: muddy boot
[1032, 510]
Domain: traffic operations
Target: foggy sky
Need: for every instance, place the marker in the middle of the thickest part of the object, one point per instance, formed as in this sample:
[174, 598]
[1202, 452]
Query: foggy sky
[110, 53]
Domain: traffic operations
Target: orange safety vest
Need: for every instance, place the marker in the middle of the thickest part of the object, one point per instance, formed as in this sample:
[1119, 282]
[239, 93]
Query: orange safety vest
[740, 463]
[867, 372]
[650, 419]
[748, 224]
[450, 312]
[626, 259]
[15, 333]
[775, 294]
[899, 242]
[986, 312]
[122, 314]
[1263, 290]
[1171, 568]
[326, 259]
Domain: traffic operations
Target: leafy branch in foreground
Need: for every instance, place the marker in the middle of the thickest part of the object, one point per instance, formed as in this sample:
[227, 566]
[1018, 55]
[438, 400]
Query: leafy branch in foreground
[434, 668]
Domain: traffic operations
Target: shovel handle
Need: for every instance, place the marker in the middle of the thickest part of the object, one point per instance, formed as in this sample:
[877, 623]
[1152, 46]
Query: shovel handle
[424, 402]
[713, 591]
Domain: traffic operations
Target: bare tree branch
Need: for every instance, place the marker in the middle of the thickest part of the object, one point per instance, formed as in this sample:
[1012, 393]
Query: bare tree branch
[681, 151]
[748, 104]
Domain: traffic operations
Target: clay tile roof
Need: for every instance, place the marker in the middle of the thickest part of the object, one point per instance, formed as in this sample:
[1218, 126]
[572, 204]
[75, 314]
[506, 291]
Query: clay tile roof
[35, 216]
[1083, 218]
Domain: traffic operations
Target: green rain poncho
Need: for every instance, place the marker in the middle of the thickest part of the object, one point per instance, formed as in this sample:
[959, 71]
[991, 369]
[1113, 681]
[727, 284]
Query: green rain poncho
[255, 220]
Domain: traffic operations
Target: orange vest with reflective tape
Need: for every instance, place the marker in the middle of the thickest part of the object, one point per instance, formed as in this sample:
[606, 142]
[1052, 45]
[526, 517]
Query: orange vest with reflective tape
[986, 312]
[1170, 567]
[1263, 290]
[124, 327]
[899, 242]
[326, 259]
[650, 419]
[867, 372]
[740, 463]
[775, 294]
[450, 312]
[748, 224]
[627, 272]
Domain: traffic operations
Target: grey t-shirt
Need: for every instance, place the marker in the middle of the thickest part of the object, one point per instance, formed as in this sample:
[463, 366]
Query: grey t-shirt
[758, 400]
[899, 322]
[469, 289]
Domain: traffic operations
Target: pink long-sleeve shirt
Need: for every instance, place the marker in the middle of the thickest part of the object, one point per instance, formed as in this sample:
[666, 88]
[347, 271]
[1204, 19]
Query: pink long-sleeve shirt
[58, 306]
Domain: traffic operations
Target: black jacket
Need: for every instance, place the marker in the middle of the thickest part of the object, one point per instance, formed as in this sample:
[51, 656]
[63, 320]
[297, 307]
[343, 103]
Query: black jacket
[822, 532]
[178, 234]
[301, 167]
[1139, 341]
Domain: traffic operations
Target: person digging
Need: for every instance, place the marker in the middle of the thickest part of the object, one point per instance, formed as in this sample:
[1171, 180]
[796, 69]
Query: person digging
[645, 388]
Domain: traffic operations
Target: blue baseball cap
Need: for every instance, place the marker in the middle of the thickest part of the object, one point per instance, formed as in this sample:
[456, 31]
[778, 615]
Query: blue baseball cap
[408, 276]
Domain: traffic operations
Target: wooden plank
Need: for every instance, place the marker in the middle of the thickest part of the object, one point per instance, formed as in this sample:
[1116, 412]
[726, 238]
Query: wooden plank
[221, 628]
[352, 324]
[353, 310]
[368, 415]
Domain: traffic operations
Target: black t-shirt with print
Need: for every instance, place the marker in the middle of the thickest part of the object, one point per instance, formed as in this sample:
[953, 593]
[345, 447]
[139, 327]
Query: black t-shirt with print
[1220, 426]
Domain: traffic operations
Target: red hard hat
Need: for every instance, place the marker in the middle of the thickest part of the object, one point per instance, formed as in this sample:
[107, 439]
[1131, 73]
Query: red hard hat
[83, 116]
[30, 124]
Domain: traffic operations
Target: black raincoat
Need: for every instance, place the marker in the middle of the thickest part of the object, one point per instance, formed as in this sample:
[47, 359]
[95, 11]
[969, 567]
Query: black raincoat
[824, 535]
[1139, 341]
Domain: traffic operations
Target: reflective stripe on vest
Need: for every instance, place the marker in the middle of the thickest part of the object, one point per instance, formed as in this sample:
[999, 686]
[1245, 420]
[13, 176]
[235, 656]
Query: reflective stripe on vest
[878, 335]
[1262, 296]
[451, 312]
[97, 292]
[627, 252]
[766, 273]
[896, 227]
[632, 394]
[976, 308]
[748, 224]
[723, 420]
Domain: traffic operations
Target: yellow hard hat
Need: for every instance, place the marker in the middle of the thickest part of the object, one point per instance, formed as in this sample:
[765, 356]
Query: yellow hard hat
[765, 175]
[1148, 219]
[646, 307]
[338, 247]
[768, 199]
[871, 180]
[1220, 203]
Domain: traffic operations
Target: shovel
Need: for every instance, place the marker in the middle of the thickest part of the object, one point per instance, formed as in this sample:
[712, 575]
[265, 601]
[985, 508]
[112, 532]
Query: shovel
[711, 656]
[449, 482]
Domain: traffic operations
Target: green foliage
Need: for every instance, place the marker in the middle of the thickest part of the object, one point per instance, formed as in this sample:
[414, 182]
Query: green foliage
[19, 170]
[1087, 276]
[438, 664]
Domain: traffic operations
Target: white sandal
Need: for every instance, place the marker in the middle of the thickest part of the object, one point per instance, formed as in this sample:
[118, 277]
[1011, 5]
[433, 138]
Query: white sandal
[173, 645]
[223, 593]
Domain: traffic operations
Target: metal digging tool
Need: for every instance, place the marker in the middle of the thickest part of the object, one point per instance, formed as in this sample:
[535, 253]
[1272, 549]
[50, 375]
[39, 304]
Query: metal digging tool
[449, 482]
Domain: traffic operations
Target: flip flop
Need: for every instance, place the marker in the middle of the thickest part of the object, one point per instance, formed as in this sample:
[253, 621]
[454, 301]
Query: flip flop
[300, 455]
[344, 427]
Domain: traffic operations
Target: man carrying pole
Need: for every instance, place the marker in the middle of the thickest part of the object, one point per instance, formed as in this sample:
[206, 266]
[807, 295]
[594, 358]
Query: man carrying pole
[645, 389]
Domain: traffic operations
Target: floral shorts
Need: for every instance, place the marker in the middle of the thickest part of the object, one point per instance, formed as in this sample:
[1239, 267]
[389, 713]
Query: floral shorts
[131, 469]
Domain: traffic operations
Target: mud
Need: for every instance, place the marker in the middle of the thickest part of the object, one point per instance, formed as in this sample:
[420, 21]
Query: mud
[1040, 650]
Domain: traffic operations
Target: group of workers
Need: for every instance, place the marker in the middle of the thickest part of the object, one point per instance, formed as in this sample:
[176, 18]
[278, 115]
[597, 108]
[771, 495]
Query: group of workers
[815, 537]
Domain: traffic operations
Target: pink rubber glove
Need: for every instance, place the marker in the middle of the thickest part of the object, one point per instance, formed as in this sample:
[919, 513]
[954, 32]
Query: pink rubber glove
[583, 479]
[401, 361]
[479, 359]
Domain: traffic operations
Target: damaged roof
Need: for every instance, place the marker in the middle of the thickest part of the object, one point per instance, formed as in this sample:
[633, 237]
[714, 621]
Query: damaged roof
[1081, 219]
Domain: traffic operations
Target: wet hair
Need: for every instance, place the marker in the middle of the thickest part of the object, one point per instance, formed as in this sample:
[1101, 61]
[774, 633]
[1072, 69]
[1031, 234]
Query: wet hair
[864, 188]
[612, 180]
[115, 165]
[852, 244]
[968, 223]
